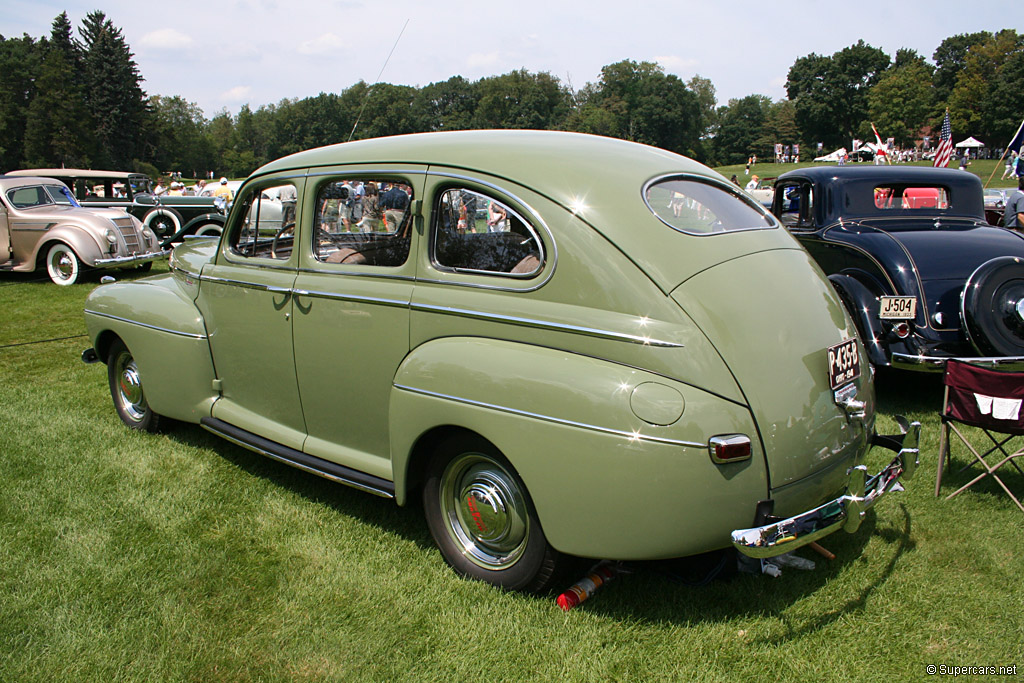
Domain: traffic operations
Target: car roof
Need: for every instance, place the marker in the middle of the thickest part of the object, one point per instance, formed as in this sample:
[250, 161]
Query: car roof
[74, 173]
[8, 181]
[885, 174]
[558, 164]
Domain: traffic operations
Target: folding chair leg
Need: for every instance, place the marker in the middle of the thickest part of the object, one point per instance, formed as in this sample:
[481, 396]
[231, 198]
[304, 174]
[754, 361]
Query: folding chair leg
[943, 454]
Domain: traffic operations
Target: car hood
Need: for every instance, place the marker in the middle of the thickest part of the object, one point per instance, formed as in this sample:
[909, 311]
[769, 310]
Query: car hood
[772, 316]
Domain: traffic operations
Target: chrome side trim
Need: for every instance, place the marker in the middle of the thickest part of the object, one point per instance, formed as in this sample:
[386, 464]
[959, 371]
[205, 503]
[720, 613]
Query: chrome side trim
[190, 335]
[186, 273]
[546, 325]
[399, 303]
[245, 285]
[632, 436]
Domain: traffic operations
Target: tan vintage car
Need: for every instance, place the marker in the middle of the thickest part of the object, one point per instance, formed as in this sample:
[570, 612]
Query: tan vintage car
[41, 224]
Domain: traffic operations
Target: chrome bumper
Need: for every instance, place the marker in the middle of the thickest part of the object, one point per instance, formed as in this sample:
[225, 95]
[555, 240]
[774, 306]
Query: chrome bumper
[905, 361]
[846, 512]
[128, 260]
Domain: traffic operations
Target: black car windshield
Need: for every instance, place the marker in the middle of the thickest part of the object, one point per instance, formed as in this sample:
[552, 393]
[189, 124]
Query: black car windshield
[61, 195]
[697, 207]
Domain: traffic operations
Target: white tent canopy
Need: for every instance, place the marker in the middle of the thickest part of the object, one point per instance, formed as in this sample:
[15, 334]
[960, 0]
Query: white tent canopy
[970, 142]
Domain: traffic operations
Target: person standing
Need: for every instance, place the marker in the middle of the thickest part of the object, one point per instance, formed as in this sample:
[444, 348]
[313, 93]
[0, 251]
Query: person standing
[224, 191]
[752, 185]
[1013, 214]
[1011, 166]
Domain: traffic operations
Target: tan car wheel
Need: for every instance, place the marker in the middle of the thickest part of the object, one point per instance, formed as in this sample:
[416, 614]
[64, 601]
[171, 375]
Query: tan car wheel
[62, 264]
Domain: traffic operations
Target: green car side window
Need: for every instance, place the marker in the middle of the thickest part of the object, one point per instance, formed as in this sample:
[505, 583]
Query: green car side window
[478, 234]
[697, 207]
[268, 229]
[363, 222]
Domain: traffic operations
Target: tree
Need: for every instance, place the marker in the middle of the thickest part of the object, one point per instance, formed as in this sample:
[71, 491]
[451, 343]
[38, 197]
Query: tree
[949, 58]
[446, 105]
[520, 99]
[901, 102]
[113, 92]
[19, 63]
[972, 96]
[180, 133]
[58, 131]
[639, 102]
[1006, 101]
[831, 92]
[741, 129]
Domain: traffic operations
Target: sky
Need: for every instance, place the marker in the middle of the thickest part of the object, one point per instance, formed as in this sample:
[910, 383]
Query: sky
[223, 54]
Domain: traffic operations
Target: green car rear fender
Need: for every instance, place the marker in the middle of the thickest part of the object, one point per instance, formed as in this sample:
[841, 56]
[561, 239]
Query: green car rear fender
[615, 458]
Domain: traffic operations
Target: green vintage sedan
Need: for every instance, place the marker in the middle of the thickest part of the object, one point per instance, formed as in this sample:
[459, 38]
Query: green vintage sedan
[564, 345]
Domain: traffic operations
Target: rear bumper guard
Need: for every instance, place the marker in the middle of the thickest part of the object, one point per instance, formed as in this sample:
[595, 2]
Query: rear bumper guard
[128, 260]
[777, 537]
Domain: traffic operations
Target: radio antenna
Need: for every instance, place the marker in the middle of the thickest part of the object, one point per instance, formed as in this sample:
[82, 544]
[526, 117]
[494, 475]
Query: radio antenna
[367, 97]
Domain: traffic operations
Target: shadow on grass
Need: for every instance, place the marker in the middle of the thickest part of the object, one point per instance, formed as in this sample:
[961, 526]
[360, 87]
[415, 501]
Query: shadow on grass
[668, 591]
[383, 513]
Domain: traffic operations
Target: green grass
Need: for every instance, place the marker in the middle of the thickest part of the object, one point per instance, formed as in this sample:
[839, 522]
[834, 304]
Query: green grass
[137, 557]
[981, 167]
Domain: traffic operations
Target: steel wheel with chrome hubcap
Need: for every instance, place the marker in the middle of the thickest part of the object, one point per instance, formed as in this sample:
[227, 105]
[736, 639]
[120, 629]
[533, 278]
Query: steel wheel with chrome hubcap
[62, 264]
[126, 390]
[481, 517]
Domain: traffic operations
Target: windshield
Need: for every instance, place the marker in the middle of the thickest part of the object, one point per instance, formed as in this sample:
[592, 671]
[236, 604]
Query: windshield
[698, 207]
[61, 195]
[140, 184]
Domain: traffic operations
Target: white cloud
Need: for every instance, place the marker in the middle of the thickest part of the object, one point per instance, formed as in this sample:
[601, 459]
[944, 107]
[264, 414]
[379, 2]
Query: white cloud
[237, 95]
[676, 65]
[327, 44]
[477, 59]
[165, 39]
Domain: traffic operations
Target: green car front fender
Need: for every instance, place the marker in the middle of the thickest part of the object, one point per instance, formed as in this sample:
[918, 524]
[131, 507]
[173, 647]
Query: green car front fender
[163, 329]
[615, 458]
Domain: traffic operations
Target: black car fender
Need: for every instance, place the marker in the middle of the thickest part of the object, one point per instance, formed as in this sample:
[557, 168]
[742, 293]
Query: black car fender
[191, 227]
[863, 308]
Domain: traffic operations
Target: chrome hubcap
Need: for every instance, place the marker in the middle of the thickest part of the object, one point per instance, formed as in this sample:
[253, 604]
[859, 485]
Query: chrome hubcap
[63, 266]
[485, 511]
[130, 388]
[1020, 309]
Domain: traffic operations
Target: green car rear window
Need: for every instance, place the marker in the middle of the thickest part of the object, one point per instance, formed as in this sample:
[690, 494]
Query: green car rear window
[702, 208]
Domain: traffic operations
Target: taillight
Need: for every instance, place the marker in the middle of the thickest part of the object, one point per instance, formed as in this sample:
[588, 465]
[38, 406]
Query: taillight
[728, 448]
[902, 330]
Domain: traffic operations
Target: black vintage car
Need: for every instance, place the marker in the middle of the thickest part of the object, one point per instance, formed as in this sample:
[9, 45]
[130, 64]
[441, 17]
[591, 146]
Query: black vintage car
[170, 217]
[923, 275]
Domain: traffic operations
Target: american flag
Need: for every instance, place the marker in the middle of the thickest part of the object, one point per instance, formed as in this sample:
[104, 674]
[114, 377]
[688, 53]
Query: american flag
[945, 144]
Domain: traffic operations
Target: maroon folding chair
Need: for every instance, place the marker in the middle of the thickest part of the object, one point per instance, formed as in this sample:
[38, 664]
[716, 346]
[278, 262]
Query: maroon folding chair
[991, 402]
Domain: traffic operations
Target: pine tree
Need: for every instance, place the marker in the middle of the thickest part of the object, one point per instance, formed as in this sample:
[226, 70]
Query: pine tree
[113, 93]
[57, 132]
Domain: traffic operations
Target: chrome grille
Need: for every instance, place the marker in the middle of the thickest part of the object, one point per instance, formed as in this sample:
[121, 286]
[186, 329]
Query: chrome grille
[132, 239]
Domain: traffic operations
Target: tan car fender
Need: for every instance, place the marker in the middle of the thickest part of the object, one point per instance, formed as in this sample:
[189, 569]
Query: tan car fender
[82, 240]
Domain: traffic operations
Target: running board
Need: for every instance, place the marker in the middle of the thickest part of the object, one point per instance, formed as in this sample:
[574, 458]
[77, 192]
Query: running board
[303, 461]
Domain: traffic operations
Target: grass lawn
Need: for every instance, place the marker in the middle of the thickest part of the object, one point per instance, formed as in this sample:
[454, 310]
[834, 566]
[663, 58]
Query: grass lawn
[137, 557]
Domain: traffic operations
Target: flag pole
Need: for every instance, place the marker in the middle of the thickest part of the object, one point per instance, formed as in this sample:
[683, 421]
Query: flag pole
[1005, 150]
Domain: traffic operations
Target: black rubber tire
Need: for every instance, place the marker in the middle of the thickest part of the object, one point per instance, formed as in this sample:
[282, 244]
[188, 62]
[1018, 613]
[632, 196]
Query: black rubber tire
[145, 267]
[459, 462]
[991, 316]
[128, 395]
